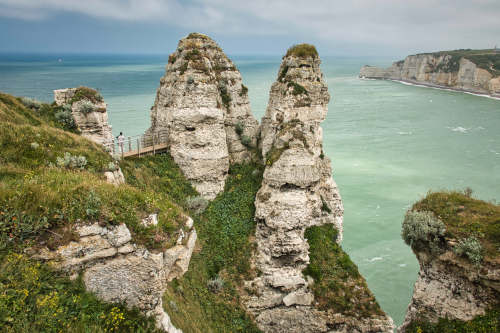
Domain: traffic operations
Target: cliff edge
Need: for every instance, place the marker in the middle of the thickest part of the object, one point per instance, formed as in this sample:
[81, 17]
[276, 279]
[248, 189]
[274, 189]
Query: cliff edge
[476, 71]
[456, 239]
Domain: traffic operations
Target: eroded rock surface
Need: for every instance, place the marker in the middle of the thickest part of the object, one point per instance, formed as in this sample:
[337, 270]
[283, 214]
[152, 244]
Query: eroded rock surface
[438, 70]
[451, 287]
[117, 270]
[92, 122]
[203, 108]
[297, 192]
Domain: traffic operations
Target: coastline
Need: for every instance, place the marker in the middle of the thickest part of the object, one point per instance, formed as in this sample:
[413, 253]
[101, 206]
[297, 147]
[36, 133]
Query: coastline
[435, 86]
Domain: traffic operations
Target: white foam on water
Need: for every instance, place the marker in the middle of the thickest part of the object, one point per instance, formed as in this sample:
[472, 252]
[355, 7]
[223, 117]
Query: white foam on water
[375, 259]
[402, 265]
[458, 129]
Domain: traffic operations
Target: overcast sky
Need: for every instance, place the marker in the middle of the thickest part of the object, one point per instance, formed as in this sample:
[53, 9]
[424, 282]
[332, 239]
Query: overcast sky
[345, 27]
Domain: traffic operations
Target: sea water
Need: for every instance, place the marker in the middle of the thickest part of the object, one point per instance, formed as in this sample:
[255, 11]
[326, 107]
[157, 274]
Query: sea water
[389, 143]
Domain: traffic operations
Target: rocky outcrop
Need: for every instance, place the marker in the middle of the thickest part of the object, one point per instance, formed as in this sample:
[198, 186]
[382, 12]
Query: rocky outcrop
[439, 70]
[450, 286]
[203, 108]
[117, 270]
[297, 192]
[90, 114]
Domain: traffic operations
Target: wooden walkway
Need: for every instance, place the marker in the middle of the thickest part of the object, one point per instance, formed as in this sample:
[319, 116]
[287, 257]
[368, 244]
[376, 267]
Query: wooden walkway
[139, 145]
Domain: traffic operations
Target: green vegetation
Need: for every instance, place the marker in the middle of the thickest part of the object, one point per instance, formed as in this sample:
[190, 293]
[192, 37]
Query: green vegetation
[206, 298]
[485, 59]
[224, 95]
[283, 72]
[239, 128]
[337, 283]
[87, 107]
[244, 90]
[297, 88]
[302, 51]
[50, 179]
[34, 298]
[172, 58]
[194, 35]
[470, 248]
[274, 154]
[465, 217]
[86, 93]
[421, 229]
[488, 323]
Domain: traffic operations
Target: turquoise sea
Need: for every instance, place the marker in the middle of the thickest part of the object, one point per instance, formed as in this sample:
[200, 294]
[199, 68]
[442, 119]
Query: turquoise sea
[389, 143]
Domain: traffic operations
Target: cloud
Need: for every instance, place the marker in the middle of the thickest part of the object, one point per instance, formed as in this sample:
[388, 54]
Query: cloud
[385, 22]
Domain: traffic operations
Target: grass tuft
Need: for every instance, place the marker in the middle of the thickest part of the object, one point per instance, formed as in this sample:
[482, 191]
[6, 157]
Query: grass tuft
[302, 51]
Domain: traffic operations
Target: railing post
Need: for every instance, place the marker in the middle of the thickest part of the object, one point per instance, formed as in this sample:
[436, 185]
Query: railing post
[129, 143]
[138, 147]
[154, 151]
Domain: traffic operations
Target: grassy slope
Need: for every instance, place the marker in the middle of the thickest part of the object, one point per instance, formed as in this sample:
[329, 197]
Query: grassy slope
[337, 282]
[39, 200]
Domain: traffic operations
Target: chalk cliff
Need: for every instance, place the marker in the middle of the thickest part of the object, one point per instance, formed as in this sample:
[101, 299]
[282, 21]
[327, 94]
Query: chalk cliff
[470, 71]
[117, 270]
[203, 107]
[297, 192]
[89, 112]
[459, 275]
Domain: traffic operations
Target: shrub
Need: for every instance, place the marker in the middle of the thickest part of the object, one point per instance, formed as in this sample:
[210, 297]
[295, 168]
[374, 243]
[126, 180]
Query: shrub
[422, 227]
[65, 118]
[324, 206]
[471, 248]
[112, 166]
[302, 51]
[239, 128]
[197, 204]
[226, 99]
[244, 90]
[71, 162]
[86, 93]
[297, 88]
[86, 107]
[172, 58]
[246, 140]
[190, 80]
[93, 205]
[31, 103]
[216, 284]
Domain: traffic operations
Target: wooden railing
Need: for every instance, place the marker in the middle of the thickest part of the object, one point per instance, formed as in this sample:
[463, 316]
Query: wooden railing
[138, 145]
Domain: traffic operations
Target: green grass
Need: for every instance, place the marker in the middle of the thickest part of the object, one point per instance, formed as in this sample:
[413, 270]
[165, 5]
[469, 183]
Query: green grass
[34, 298]
[297, 88]
[160, 174]
[465, 216]
[337, 284]
[488, 323]
[302, 51]
[224, 230]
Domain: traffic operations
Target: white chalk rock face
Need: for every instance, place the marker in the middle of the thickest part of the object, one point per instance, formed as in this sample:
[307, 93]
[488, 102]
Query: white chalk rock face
[117, 270]
[203, 108]
[91, 117]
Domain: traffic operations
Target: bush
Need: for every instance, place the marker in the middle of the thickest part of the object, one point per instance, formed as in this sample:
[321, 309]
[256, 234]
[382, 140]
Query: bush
[86, 93]
[197, 204]
[112, 166]
[246, 141]
[239, 128]
[471, 248]
[65, 118]
[422, 227]
[72, 162]
[216, 284]
[31, 103]
[244, 90]
[297, 88]
[86, 107]
[190, 80]
[226, 99]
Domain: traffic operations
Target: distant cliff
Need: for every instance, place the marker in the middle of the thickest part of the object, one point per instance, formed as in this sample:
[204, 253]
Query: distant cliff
[476, 71]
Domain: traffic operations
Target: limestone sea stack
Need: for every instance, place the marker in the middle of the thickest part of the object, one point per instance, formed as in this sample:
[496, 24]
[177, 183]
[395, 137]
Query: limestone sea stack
[89, 112]
[297, 192]
[203, 108]
[475, 71]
